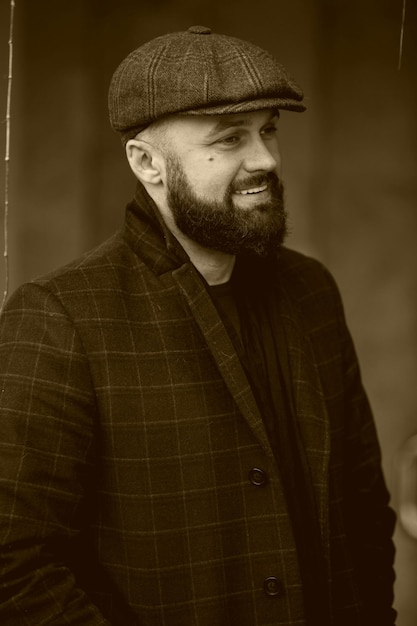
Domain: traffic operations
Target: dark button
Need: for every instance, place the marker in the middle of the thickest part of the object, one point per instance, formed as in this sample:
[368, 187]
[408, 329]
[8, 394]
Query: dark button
[258, 477]
[273, 587]
[199, 30]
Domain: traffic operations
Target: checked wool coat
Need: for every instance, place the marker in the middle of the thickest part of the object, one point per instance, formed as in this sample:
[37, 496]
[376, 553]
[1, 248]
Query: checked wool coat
[137, 482]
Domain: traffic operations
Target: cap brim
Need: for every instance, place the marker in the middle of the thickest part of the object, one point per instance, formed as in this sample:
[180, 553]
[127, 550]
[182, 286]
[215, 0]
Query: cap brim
[288, 104]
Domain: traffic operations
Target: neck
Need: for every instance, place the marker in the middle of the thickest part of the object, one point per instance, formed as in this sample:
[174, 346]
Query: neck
[215, 266]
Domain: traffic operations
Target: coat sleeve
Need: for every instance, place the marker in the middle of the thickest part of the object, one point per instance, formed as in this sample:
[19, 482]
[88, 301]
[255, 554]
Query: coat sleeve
[46, 436]
[369, 519]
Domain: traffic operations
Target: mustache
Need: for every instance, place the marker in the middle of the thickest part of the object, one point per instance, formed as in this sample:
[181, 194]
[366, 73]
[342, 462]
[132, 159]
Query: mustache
[256, 180]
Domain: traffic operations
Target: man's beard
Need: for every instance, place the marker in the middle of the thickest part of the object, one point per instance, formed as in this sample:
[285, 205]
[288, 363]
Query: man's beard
[222, 225]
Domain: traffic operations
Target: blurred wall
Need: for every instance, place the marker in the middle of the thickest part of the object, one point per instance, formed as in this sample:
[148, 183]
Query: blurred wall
[349, 163]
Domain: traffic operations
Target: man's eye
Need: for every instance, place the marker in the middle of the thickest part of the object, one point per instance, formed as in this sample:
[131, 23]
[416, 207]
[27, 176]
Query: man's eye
[230, 140]
[269, 130]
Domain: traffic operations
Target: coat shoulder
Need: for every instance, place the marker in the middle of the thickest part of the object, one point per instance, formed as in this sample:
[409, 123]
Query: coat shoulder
[102, 274]
[111, 255]
[303, 275]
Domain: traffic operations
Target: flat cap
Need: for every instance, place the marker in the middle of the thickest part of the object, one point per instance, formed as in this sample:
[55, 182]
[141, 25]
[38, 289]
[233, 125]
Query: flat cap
[196, 72]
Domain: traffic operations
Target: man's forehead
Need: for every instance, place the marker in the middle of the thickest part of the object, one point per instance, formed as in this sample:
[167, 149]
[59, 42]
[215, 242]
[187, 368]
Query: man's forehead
[211, 124]
[233, 120]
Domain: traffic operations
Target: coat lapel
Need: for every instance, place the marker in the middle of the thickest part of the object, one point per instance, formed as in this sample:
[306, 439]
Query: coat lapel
[222, 349]
[308, 402]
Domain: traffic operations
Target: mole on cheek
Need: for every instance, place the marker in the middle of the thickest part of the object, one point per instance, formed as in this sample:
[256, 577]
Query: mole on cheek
[211, 158]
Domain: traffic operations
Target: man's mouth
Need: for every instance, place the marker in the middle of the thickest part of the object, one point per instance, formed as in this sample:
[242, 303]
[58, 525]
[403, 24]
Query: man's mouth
[245, 192]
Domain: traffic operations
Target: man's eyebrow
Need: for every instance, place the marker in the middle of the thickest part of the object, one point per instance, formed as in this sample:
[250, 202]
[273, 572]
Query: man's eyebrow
[227, 122]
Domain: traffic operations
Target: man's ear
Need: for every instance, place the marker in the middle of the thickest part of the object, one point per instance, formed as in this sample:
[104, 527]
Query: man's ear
[145, 161]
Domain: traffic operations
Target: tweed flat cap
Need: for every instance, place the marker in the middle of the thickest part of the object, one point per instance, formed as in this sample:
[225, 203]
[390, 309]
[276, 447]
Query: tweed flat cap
[196, 72]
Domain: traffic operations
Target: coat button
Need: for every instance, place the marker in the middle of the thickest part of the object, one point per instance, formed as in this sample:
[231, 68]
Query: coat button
[273, 587]
[258, 477]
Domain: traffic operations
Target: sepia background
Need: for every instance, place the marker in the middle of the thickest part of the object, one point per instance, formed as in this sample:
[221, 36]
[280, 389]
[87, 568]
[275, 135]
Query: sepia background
[350, 165]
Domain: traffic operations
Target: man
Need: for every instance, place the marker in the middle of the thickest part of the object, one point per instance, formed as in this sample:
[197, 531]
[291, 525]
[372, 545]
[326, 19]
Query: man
[185, 439]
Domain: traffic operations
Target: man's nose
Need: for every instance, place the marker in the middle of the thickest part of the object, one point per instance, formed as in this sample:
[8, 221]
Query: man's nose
[260, 157]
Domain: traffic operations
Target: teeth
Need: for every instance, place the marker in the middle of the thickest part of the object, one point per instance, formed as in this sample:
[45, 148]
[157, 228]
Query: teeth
[244, 192]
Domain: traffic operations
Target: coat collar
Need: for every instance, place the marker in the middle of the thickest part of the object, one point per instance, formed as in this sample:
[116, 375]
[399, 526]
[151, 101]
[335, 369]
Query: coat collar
[147, 234]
